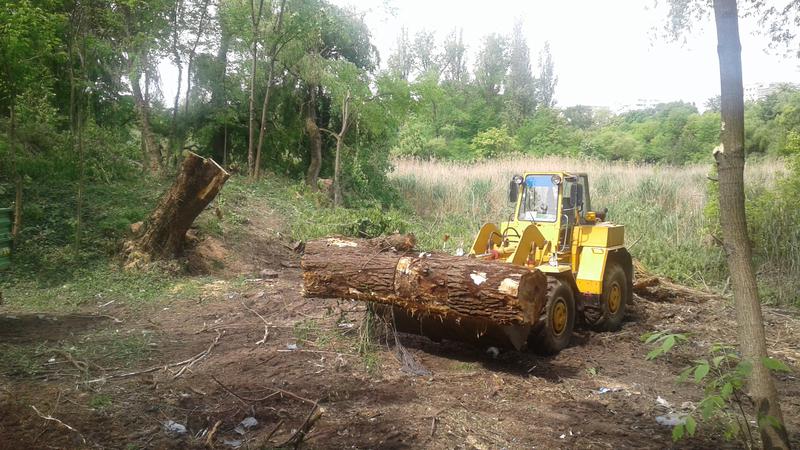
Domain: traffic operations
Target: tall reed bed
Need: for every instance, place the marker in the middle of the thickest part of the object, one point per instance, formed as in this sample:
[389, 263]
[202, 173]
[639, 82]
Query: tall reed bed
[661, 206]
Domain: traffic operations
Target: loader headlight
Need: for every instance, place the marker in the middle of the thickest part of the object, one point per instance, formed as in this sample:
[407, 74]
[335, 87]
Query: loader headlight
[556, 179]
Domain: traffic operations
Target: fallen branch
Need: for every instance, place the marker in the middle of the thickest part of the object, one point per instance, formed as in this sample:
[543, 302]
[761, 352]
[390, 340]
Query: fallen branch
[296, 439]
[53, 419]
[210, 437]
[191, 360]
[275, 392]
[266, 324]
[198, 357]
[80, 365]
[274, 430]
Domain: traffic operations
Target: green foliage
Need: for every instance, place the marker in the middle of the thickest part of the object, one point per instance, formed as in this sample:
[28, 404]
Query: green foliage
[771, 218]
[100, 402]
[662, 342]
[722, 376]
[492, 143]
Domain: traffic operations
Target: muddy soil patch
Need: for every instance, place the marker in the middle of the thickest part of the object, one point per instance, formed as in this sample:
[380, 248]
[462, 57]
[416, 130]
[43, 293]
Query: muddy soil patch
[38, 328]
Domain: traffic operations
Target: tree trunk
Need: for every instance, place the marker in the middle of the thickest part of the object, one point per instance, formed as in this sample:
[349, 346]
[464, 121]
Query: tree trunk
[314, 138]
[162, 235]
[190, 59]
[337, 186]
[177, 16]
[219, 96]
[16, 228]
[151, 154]
[189, 63]
[730, 164]
[438, 285]
[255, 20]
[263, 127]
[273, 54]
[174, 146]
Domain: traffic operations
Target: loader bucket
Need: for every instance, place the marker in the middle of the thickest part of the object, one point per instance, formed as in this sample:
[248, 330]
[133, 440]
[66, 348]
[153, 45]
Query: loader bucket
[471, 331]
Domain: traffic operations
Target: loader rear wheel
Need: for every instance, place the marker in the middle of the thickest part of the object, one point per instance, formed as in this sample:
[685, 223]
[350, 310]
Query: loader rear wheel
[613, 301]
[555, 330]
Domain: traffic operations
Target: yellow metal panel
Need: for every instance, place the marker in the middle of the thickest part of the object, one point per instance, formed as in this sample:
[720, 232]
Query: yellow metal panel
[589, 286]
[602, 235]
[531, 238]
[480, 245]
[592, 268]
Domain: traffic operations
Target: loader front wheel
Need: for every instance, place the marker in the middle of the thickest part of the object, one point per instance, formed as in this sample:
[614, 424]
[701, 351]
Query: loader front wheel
[555, 331]
[613, 301]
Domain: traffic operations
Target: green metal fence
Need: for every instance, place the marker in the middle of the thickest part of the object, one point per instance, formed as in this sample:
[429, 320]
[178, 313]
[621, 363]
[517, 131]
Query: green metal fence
[5, 237]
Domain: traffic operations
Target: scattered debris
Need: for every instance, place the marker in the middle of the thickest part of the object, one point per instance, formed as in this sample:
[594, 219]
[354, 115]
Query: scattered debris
[174, 428]
[291, 347]
[246, 424]
[662, 402]
[268, 274]
[672, 419]
[605, 390]
[50, 418]
[235, 443]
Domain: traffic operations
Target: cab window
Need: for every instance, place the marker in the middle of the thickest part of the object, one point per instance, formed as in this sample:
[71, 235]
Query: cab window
[539, 199]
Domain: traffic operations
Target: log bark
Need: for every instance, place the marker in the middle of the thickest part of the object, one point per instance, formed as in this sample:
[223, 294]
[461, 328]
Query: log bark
[396, 242]
[424, 284]
[162, 235]
[730, 166]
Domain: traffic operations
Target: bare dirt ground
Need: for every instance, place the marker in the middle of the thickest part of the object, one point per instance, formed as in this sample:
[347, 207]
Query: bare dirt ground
[186, 372]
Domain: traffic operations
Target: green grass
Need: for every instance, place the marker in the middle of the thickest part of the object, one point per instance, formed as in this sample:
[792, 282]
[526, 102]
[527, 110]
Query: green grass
[100, 402]
[105, 348]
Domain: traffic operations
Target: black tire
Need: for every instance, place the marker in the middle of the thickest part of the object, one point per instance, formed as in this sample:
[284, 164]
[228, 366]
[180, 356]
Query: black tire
[550, 337]
[614, 299]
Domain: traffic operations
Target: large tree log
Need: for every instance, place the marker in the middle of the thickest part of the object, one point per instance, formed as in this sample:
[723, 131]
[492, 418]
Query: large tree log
[426, 284]
[163, 233]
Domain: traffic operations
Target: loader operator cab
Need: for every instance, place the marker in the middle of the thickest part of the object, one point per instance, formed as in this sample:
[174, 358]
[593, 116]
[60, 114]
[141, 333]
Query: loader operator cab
[552, 201]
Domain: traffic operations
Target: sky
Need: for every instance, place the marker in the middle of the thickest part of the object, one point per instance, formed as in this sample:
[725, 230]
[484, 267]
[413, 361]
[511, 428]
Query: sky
[607, 53]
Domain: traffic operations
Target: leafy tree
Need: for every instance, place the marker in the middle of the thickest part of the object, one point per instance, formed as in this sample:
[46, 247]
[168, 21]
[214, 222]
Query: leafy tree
[491, 65]
[454, 62]
[425, 54]
[492, 143]
[547, 80]
[579, 116]
[401, 62]
[520, 91]
[730, 167]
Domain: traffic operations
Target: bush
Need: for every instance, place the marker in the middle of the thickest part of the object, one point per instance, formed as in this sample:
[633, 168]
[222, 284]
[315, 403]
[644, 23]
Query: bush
[492, 143]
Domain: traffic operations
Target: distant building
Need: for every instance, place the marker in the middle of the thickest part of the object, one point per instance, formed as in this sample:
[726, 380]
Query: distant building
[756, 91]
[642, 103]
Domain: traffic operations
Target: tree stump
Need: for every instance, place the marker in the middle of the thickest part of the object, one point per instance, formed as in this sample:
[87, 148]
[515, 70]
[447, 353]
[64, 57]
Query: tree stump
[162, 235]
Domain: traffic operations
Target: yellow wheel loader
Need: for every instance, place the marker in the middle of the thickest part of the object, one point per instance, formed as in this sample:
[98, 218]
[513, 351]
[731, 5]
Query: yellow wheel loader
[553, 229]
